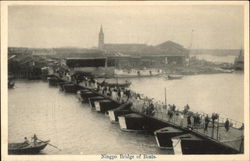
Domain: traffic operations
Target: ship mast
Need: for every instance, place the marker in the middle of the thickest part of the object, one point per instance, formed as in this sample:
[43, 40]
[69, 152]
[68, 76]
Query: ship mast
[190, 46]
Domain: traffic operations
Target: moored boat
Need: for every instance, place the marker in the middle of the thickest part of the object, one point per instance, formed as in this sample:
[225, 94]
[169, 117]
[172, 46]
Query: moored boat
[239, 61]
[132, 122]
[11, 84]
[54, 81]
[86, 95]
[163, 136]
[26, 148]
[105, 105]
[192, 144]
[71, 88]
[171, 77]
[137, 73]
[93, 99]
[120, 85]
[121, 110]
[61, 84]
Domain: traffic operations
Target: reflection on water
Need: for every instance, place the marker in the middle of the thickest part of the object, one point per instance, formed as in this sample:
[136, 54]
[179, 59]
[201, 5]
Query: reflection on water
[34, 107]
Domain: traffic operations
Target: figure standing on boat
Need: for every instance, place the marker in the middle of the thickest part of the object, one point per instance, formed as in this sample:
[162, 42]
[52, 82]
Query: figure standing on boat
[35, 139]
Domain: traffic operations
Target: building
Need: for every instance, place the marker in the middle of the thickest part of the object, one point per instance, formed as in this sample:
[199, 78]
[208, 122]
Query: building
[100, 66]
[143, 55]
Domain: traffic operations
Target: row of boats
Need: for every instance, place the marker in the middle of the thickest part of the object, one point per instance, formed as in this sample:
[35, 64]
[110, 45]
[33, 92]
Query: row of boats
[168, 136]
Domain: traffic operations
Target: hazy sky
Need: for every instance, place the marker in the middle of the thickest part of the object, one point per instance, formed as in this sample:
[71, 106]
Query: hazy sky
[75, 26]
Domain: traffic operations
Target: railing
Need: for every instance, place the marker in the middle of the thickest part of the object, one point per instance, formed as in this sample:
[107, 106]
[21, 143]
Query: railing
[217, 130]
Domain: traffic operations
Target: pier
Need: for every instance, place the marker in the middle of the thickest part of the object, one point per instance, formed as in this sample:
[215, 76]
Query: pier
[170, 126]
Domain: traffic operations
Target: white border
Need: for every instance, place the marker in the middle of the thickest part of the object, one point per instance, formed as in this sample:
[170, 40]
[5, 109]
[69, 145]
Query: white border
[4, 90]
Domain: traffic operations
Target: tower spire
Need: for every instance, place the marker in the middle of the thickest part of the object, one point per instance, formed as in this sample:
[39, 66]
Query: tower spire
[101, 38]
[101, 30]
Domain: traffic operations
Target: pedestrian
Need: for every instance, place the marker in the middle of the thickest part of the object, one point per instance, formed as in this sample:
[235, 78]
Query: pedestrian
[227, 125]
[207, 120]
[181, 119]
[151, 109]
[128, 94]
[174, 107]
[189, 120]
[192, 121]
[119, 94]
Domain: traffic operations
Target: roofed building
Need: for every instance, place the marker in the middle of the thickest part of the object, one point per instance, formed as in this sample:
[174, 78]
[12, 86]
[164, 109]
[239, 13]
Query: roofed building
[144, 55]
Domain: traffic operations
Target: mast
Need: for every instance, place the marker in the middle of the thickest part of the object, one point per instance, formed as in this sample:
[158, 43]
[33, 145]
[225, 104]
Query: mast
[190, 46]
[165, 91]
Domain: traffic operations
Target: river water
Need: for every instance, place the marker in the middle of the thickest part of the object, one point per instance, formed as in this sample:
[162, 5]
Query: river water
[34, 107]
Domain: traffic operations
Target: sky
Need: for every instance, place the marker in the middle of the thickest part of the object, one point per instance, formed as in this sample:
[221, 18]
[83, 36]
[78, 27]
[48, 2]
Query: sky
[193, 26]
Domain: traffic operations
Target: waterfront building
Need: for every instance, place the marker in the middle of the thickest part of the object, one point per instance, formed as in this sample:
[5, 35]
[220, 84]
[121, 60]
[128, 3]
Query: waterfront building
[142, 55]
[99, 67]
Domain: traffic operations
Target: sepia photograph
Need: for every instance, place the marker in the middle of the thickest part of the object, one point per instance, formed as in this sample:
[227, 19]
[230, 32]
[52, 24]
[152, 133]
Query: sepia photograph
[125, 80]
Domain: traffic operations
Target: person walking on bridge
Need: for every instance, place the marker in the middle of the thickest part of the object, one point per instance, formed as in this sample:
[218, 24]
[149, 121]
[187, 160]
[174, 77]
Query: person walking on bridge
[206, 123]
[227, 125]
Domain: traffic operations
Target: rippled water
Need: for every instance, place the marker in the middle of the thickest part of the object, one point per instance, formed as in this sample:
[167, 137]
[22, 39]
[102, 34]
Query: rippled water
[34, 107]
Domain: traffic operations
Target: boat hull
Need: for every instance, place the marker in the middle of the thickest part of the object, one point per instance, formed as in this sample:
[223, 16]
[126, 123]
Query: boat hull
[163, 136]
[27, 150]
[104, 106]
[132, 122]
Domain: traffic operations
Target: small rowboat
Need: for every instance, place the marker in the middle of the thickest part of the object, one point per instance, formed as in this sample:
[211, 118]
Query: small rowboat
[11, 84]
[171, 77]
[27, 148]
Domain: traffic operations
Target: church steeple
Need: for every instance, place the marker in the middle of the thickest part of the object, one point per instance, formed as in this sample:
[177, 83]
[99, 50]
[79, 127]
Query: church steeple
[101, 39]
[101, 31]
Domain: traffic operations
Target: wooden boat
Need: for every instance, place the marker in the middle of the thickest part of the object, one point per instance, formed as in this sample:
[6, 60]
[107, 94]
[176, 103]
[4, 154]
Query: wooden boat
[54, 81]
[163, 136]
[132, 122]
[71, 88]
[171, 77]
[93, 99]
[239, 61]
[192, 144]
[224, 70]
[121, 85]
[105, 105]
[61, 84]
[137, 73]
[11, 84]
[26, 148]
[121, 110]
